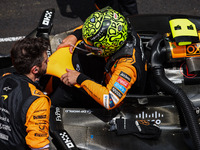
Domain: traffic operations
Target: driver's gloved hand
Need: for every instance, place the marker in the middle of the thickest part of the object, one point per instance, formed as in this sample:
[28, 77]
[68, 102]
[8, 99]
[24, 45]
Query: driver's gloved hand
[140, 128]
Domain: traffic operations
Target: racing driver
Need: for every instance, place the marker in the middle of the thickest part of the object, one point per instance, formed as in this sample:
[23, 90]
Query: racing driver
[107, 34]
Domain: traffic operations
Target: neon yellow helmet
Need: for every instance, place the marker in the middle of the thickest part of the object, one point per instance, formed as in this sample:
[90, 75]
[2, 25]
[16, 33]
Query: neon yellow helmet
[104, 32]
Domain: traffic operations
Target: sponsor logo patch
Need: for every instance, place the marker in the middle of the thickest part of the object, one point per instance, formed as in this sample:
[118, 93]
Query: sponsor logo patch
[122, 82]
[5, 127]
[40, 134]
[92, 20]
[106, 101]
[4, 137]
[113, 97]
[111, 103]
[36, 92]
[7, 89]
[41, 127]
[125, 76]
[40, 123]
[4, 97]
[116, 92]
[115, 16]
[120, 87]
[40, 110]
[39, 117]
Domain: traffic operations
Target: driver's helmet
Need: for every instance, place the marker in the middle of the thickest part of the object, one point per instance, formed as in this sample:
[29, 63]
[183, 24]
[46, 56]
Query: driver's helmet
[104, 32]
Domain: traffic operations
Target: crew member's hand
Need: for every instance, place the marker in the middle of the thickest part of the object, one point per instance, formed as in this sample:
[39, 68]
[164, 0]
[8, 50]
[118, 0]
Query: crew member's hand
[69, 41]
[70, 77]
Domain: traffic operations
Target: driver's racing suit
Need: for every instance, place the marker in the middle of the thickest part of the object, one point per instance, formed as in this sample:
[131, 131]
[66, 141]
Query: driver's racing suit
[124, 71]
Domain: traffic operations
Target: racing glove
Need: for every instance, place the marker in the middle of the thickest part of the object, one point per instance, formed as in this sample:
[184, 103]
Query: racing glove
[140, 128]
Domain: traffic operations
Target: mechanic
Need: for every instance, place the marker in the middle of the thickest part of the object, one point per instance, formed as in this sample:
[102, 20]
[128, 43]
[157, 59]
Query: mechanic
[106, 34]
[24, 109]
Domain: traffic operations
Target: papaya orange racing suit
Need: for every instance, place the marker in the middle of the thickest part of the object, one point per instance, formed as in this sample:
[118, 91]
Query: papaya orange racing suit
[24, 114]
[125, 71]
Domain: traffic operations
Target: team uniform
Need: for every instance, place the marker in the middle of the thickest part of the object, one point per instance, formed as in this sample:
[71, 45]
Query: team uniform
[24, 114]
[108, 42]
[107, 45]
[124, 73]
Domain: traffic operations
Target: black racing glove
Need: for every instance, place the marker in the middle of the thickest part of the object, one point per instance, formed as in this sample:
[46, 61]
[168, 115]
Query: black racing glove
[140, 128]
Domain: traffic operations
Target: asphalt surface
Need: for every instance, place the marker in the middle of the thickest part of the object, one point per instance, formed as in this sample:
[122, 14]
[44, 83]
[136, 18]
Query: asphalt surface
[19, 17]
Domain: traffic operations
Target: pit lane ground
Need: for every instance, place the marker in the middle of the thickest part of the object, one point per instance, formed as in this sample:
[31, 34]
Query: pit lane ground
[19, 18]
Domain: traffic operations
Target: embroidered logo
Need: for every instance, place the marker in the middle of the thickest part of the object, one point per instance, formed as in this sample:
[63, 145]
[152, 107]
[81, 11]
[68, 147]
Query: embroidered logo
[116, 92]
[111, 103]
[122, 82]
[120, 87]
[105, 100]
[7, 89]
[4, 97]
[113, 97]
[125, 76]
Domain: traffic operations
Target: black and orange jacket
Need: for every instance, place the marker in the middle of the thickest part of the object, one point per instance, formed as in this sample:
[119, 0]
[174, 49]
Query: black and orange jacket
[24, 113]
[125, 71]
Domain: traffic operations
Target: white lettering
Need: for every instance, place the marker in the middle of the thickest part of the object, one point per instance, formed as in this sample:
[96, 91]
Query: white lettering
[4, 118]
[47, 18]
[3, 136]
[58, 114]
[4, 110]
[5, 127]
[67, 140]
[78, 111]
[11, 39]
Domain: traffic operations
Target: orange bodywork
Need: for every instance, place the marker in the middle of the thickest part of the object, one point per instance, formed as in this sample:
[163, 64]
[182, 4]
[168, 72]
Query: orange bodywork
[192, 50]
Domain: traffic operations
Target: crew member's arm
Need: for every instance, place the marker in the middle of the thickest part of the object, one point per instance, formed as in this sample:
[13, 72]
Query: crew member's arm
[110, 96]
[37, 123]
